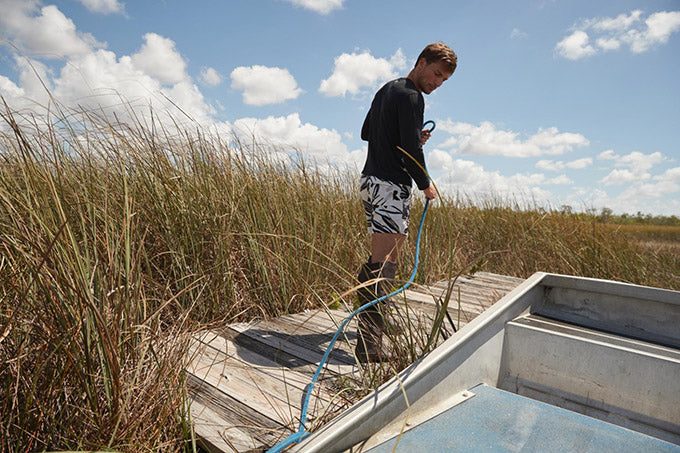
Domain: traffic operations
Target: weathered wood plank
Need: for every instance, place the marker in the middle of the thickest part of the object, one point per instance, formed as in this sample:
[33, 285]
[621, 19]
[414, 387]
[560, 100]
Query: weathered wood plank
[470, 292]
[324, 322]
[273, 391]
[239, 359]
[220, 419]
[468, 288]
[473, 306]
[501, 279]
[475, 287]
[228, 380]
[273, 383]
[217, 434]
[425, 302]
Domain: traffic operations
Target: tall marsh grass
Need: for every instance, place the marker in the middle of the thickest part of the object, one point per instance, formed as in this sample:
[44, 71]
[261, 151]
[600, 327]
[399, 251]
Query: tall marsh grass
[511, 239]
[118, 240]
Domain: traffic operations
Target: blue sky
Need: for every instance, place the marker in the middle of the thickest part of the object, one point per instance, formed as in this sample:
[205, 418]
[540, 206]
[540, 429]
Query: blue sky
[559, 102]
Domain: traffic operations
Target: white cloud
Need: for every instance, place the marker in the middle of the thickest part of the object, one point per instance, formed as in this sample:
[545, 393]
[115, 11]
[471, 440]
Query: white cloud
[210, 76]
[189, 98]
[439, 159]
[638, 162]
[579, 164]
[560, 180]
[100, 77]
[42, 31]
[116, 84]
[263, 85]
[352, 72]
[104, 6]
[551, 141]
[517, 34]
[34, 79]
[159, 59]
[9, 89]
[147, 79]
[607, 155]
[575, 46]
[633, 169]
[611, 33]
[620, 23]
[660, 26]
[617, 177]
[608, 43]
[470, 178]
[485, 139]
[550, 165]
[623, 189]
[318, 144]
[637, 197]
[319, 6]
[630, 169]
[672, 175]
[641, 194]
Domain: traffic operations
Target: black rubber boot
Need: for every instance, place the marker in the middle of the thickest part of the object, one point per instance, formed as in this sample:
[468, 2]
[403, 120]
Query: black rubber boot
[390, 314]
[371, 321]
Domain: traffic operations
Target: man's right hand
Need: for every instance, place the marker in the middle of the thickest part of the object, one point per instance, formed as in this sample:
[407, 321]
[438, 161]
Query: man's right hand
[424, 136]
[430, 193]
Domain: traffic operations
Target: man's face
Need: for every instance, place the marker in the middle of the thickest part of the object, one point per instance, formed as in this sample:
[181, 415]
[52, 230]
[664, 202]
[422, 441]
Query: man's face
[429, 77]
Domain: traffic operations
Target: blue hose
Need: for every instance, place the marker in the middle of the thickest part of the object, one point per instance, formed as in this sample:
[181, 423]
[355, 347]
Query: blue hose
[301, 433]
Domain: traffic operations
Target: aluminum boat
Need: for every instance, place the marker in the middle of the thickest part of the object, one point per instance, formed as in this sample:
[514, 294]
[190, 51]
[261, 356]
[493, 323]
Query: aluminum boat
[561, 363]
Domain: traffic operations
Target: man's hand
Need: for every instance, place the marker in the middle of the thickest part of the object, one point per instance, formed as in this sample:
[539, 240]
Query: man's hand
[424, 136]
[430, 193]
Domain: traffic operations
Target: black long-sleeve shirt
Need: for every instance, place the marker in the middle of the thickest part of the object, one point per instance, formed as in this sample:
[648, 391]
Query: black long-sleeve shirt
[395, 119]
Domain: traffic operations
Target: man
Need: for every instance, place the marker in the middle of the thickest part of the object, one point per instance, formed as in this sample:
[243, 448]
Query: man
[394, 120]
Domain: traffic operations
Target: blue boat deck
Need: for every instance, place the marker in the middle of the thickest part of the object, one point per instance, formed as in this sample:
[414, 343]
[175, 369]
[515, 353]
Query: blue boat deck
[495, 420]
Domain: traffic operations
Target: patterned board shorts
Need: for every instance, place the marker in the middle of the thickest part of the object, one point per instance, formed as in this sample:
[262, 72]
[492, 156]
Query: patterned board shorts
[387, 205]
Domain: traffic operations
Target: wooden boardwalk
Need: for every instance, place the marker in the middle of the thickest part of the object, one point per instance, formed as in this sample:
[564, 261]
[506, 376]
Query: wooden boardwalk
[247, 379]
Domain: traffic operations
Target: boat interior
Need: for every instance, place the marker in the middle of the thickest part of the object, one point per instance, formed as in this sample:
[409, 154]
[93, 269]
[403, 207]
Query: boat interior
[560, 364]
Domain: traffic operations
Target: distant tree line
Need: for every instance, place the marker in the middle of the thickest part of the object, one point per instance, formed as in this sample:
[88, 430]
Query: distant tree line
[606, 215]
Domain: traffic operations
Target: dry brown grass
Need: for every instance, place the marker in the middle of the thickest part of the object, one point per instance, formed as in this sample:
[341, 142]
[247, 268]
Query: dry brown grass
[119, 240]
